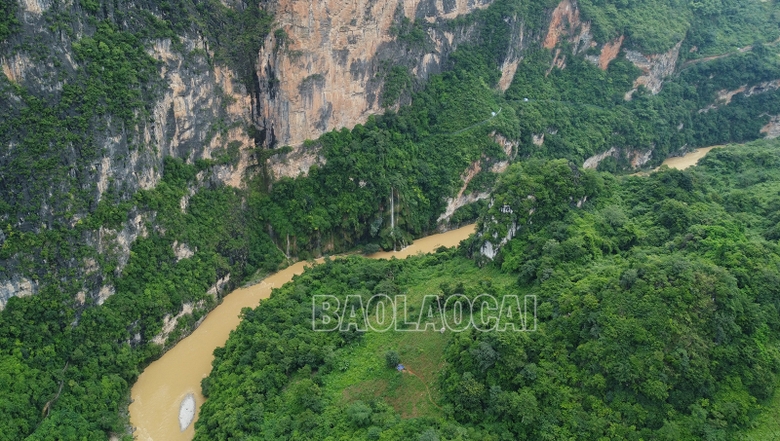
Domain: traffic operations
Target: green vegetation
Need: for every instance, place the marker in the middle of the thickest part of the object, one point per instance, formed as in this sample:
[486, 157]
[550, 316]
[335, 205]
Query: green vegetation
[713, 27]
[651, 26]
[397, 80]
[406, 154]
[657, 319]
[302, 384]
[581, 110]
[658, 294]
[8, 20]
[66, 367]
[236, 33]
[419, 153]
[117, 79]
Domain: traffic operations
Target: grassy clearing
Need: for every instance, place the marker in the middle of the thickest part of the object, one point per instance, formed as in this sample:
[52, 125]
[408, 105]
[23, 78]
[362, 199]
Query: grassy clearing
[767, 426]
[363, 374]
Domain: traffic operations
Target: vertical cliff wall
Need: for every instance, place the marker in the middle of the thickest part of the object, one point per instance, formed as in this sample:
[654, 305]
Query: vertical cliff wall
[324, 69]
[192, 109]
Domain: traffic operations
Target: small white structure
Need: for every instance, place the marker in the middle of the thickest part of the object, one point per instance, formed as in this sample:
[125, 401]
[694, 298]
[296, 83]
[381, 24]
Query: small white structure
[186, 412]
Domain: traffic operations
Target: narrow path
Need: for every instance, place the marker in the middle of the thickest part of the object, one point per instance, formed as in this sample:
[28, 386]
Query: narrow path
[430, 397]
[458, 132]
[47, 407]
[741, 50]
[473, 125]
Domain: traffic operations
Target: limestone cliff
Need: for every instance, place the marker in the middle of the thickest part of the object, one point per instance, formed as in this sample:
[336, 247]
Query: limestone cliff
[725, 96]
[322, 67]
[655, 68]
[199, 110]
[772, 129]
[327, 72]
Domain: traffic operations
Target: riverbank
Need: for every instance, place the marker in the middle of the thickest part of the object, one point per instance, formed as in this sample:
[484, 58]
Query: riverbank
[682, 162]
[163, 387]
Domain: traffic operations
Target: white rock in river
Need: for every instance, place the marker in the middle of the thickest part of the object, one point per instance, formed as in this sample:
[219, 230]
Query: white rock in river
[186, 411]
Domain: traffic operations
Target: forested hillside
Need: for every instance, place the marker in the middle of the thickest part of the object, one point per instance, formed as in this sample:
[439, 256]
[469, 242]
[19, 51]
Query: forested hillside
[657, 319]
[137, 181]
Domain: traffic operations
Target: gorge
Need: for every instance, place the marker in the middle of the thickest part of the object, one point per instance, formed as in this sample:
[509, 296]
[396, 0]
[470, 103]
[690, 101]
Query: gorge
[155, 156]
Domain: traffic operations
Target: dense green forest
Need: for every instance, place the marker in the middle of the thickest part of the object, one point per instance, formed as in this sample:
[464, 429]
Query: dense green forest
[419, 153]
[66, 365]
[709, 27]
[657, 319]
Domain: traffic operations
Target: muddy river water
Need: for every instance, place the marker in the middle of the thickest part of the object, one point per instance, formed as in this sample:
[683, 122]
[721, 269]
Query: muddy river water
[172, 383]
[683, 162]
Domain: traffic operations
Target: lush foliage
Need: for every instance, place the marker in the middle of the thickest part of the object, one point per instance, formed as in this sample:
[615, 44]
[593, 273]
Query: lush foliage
[66, 366]
[710, 27]
[300, 384]
[418, 154]
[8, 19]
[613, 358]
[658, 305]
[657, 319]
[415, 156]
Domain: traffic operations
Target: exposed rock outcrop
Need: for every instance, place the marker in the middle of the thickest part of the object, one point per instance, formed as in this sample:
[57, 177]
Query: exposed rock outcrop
[35, 7]
[297, 162]
[772, 129]
[170, 322]
[462, 199]
[200, 110]
[14, 68]
[517, 45]
[595, 160]
[565, 24]
[16, 287]
[182, 251]
[328, 72]
[655, 68]
[183, 119]
[725, 96]
[565, 19]
[219, 287]
[609, 52]
[637, 158]
[104, 293]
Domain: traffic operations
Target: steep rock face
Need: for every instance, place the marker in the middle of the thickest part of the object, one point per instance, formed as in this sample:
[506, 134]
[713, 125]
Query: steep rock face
[772, 129]
[198, 111]
[518, 43]
[609, 52]
[327, 73]
[16, 287]
[295, 163]
[637, 158]
[725, 96]
[595, 160]
[184, 118]
[655, 68]
[565, 24]
[462, 199]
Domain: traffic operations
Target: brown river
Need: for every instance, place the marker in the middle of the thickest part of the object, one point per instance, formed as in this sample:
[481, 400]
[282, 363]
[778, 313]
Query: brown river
[172, 382]
[683, 162]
